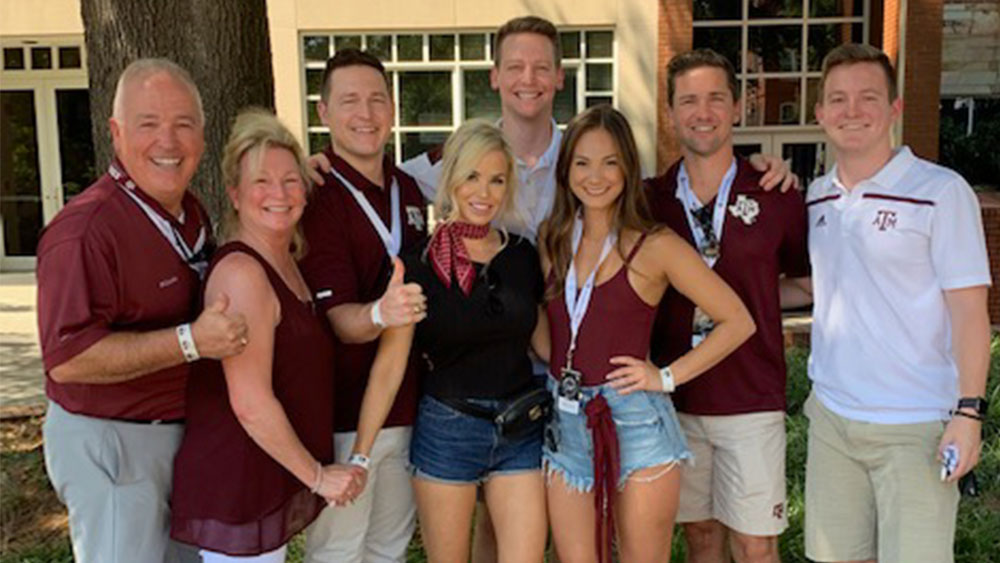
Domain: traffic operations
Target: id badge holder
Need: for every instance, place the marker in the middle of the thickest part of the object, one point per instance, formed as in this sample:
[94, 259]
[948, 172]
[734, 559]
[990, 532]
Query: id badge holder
[569, 391]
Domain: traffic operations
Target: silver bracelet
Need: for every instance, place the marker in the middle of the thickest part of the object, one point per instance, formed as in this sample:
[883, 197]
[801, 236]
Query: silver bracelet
[186, 340]
[667, 380]
[319, 479]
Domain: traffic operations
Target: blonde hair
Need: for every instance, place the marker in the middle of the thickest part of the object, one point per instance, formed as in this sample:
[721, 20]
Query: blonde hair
[255, 130]
[462, 152]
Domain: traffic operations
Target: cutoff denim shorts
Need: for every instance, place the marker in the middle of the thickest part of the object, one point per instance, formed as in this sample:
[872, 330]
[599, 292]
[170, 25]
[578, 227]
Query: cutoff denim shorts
[449, 446]
[648, 435]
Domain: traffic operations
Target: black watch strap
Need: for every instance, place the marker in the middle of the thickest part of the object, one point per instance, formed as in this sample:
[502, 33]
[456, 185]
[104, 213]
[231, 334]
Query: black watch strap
[980, 404]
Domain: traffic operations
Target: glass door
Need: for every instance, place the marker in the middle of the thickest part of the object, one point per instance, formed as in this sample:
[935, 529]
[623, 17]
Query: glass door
[46, 157]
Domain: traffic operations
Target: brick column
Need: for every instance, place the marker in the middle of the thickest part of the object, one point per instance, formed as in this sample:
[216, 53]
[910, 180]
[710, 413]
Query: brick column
[990, 204]
[922, 80]
[674, 35]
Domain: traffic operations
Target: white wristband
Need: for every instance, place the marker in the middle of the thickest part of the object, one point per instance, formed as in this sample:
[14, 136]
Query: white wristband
[361, 460]
[377, 314]
[667, 380]
[186, 340]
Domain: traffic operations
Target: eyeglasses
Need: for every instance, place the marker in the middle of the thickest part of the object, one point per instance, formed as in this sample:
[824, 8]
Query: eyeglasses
[709, 247]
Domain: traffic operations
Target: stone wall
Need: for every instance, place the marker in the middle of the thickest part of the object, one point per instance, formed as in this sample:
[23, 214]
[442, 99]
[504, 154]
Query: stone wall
[970, 58]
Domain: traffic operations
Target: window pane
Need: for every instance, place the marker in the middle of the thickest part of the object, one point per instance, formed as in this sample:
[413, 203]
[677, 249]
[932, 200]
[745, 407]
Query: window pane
[776, 9]
[598, 100]
[724, 40]
[480, 99]
[13, 58]
[599, 76]
[442, 47]
[570, 43]
[599, 43]
[774, 101]
[318, 142]
[416, 143]
[347, 42]
[20, 186]
[823, 39]
[69, 57]
[314, 80]
[380, 46]
[41, 57]
[313, 117]
[808, 160]
[472, 46]
[316, 47]
[828, 8]
[564, 104]
[75, 142]
[774, 48]
[425, 98]
[812, 95]
[716, 10]
[410, 47]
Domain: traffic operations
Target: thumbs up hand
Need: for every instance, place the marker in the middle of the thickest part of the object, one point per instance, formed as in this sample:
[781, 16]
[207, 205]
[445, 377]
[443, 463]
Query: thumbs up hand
[218, 334]
[402, 303]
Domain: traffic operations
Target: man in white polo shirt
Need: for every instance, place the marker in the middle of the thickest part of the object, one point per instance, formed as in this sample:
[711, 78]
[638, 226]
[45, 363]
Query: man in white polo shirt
[900, 336]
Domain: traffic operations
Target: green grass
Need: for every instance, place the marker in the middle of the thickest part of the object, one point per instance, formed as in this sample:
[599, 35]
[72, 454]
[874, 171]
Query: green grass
[23, 483]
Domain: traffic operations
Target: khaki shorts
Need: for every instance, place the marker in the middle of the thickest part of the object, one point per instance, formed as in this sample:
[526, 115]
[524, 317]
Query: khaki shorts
[738, 475]
[875, 491]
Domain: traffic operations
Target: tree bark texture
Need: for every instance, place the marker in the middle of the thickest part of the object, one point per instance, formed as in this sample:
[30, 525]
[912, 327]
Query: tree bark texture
[224, 44]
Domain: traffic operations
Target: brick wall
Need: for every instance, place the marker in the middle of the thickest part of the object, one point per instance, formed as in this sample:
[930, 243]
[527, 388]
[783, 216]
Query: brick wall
[675, 34]
[970, 58]
[922, 80]
[990, 203]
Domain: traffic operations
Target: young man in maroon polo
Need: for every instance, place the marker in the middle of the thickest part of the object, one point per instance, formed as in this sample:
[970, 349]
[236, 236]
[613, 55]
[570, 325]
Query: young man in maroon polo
[733, 415]
[119, 272]
[366, 212]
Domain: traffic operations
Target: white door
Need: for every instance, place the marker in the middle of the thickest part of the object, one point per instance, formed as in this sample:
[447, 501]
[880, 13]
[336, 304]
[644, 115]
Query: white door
[46, 157]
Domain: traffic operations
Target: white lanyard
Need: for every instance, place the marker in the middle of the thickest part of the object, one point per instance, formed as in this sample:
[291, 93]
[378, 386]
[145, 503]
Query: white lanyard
[166, 229]
[576, 305]
[392, 240]
[690, 203]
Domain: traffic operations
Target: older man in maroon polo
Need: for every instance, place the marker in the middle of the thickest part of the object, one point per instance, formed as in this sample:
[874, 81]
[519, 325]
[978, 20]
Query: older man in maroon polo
[733, 415]
[119, 273]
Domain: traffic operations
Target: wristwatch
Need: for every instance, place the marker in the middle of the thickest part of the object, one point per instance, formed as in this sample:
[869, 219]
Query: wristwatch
[980, 404]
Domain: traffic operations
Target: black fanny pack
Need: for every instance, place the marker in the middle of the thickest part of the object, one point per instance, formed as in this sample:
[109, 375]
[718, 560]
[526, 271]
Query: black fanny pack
[524, 415]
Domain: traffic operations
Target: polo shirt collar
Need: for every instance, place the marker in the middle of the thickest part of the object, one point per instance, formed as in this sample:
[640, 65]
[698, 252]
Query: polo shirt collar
[189, 207]
[357, 179]
[548, 158]
[684, 181]
[887, 178]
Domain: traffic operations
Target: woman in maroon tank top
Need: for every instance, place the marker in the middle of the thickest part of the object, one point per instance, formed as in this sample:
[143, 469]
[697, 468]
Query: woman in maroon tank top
[254, 466]
[607, 267]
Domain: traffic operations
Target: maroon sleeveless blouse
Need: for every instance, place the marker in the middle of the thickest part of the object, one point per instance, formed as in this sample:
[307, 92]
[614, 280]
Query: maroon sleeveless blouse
[229, 495]
[617, 323]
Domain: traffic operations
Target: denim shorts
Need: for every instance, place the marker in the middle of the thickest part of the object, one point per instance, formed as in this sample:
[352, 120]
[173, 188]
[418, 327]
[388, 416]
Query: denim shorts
[449, 446]
[648, 435]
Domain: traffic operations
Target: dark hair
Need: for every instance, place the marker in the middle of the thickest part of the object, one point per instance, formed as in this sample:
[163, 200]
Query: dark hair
[698, 58]
[631, 208]
[528, 24]
[853, 53]
[350, 57]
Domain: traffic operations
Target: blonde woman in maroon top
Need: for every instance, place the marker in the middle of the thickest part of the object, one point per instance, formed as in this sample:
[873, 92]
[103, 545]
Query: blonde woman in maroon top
[607, 268]
[255, 465]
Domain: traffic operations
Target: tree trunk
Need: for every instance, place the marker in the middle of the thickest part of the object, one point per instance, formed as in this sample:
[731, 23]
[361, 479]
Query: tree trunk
[224, 44]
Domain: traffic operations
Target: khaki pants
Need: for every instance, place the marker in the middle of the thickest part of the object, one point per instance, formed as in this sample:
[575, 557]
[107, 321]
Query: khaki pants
[114, 478]
[378, 526]
[875, 491]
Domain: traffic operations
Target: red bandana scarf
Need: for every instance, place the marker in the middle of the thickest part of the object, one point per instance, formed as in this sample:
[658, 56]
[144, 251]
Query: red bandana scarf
[607, 465]
[448, 253]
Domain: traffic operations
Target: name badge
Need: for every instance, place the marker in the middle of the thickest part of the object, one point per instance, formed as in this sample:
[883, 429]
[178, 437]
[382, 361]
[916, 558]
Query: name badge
[568, 406]
[569, 390]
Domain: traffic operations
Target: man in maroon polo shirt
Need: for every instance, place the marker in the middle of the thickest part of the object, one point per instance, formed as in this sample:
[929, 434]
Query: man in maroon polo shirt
[733, 415]
[366, 212]
[119, 272]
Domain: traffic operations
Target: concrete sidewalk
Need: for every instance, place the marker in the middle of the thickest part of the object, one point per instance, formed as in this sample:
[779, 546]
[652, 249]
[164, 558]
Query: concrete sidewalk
[21, 376]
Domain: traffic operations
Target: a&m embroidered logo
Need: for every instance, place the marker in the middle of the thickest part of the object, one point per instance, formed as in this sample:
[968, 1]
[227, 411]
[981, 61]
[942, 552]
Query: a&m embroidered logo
[885, 219]
[414, 217]
[746, 209]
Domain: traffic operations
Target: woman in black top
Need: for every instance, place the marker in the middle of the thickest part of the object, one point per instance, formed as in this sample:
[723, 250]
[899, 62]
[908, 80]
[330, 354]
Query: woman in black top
[483, 289]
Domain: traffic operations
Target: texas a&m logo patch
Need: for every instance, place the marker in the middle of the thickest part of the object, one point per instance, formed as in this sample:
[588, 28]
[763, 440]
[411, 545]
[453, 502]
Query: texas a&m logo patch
[885, 219]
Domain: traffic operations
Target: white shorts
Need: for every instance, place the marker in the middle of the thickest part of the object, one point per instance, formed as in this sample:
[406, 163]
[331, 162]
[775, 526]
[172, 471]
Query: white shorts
[738, 475]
